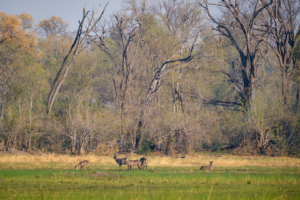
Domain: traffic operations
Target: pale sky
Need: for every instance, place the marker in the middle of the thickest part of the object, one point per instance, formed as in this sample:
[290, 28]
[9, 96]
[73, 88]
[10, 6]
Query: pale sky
[69, 10]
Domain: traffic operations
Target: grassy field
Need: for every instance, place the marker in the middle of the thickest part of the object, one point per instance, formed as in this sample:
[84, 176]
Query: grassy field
[50, 178]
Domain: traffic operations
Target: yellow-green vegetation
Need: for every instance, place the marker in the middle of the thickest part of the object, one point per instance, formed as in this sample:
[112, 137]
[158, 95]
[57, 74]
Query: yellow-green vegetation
[64, 161]
[58, 180]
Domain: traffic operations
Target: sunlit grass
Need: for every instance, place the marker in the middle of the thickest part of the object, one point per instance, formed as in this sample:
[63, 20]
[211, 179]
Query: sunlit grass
[233, 177]
[67, 162]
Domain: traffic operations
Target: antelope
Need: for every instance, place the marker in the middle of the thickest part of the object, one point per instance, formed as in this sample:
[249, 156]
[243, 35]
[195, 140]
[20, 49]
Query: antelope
[130, 163]
[85, 163]
[120, 161]
[144, 162]
[206, 167]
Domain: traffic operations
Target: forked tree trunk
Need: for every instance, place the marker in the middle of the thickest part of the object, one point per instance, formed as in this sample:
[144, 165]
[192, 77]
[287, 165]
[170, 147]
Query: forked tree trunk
[82, 148]
[263, 140]
[6, 144]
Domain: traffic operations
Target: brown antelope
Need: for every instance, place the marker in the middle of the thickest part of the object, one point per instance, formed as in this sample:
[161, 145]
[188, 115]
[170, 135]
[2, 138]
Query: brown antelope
[131, 163]
[206, 167]
[85, 163]
[120, 161]
[144, 162]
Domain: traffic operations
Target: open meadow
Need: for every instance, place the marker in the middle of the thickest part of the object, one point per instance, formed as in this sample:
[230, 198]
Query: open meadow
[233, 177]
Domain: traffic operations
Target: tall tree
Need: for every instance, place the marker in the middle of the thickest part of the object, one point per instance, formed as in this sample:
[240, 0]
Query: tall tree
[284, 28]
[81, 42]
[125, 36]
[183, 20]
[242, 16]
[17, 44]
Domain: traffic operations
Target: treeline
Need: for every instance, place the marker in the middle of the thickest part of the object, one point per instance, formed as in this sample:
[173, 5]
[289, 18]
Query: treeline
[169, 76]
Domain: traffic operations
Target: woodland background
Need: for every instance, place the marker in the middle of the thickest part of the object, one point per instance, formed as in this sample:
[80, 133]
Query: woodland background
[162, 76]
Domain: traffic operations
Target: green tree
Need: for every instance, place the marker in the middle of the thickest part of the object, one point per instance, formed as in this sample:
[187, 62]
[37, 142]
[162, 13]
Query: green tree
[17, 46]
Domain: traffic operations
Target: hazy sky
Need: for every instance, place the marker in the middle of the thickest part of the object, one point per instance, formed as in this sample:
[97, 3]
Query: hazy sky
[69, 10]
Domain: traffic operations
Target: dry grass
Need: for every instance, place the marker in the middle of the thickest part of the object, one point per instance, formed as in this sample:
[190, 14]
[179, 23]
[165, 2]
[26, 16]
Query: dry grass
[226, 160]
[66, 161]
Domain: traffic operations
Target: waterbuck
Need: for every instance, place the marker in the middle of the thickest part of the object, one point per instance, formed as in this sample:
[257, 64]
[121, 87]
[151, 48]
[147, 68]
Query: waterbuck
[207, 167]
[120, 161]
[85, 163]
[131, 163]
[144, 162]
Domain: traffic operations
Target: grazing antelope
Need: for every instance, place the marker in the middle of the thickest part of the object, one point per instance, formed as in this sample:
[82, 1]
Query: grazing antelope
[144, 162]
[85, 163]
[120, 161]
[207, 167]
[131, 163]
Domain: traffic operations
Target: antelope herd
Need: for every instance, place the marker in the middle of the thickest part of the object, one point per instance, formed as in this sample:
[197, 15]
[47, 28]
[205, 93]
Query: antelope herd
[130, 163]
[123, 161]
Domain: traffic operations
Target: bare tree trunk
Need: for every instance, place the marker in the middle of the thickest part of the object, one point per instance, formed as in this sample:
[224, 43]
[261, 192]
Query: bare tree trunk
[20, 110]
[15, 140]
[297, 99]
[2, 111]
[168, 144]
[74, 141]
[283, 88]
[59, 81]
[263, 140]
[82, 148]
[188, 145]
[155, 87]
[252, 44]
[79, 46]
[177, 90]
[30, 119]
[174, 97]
[3, 94]
[6, 144]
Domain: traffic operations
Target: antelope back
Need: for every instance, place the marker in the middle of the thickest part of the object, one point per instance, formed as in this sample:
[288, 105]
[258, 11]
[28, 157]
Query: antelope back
[84, 163]
[208, 166]
[134, 162]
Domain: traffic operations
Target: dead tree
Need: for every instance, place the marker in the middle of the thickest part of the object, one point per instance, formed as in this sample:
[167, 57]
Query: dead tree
[81, 41]
[156, 84]
[284, 26]
[181, 18]
[125, 35]
[244, 21]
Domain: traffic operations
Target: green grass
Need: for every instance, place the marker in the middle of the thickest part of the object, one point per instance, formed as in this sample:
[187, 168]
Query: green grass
[167, 183]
